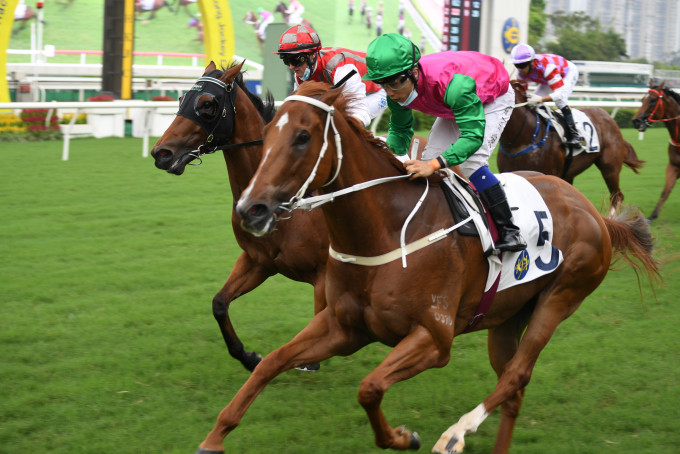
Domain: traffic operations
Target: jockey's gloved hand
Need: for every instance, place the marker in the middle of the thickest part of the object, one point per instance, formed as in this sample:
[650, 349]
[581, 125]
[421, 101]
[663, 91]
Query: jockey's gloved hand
[534, 100]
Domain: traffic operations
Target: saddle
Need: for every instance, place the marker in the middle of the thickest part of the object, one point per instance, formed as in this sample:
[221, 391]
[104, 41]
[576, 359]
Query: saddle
[583, 125]
[461, 200]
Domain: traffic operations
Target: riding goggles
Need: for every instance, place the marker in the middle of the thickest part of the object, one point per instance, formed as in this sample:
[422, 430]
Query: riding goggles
[395, 83]
[294, 59]
[522, 65]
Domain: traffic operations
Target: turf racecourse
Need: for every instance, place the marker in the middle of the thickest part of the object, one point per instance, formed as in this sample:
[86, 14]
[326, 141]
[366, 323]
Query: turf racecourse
[107, 341]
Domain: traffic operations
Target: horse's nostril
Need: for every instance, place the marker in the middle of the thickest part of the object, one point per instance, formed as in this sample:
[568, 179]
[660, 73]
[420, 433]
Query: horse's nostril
[162, 153]
[257, 210]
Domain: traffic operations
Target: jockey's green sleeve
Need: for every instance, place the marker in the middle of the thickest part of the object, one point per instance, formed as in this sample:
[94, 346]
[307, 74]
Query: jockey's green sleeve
[467, 108]
[461, 97]
[400, 132]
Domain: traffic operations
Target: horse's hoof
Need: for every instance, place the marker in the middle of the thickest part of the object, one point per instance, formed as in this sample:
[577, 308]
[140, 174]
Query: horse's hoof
[309, 367]
[251, 360]
[414, 445]
[450, 445]
[208, 451]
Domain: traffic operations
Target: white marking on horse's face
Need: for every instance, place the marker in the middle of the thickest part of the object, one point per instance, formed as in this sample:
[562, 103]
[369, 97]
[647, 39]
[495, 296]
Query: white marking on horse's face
[282, 121]
[246, 194]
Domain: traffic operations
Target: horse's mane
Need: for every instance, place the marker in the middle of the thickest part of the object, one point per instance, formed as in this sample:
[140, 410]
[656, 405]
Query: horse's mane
[266, 107]
[316, 90]
[672, 94]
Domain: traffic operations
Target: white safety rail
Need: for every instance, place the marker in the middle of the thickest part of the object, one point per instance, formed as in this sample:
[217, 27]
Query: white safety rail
[84, 107]
[149, 106]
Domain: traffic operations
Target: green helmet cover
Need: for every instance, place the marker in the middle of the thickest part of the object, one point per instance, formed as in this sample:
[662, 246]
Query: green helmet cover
[388, 55]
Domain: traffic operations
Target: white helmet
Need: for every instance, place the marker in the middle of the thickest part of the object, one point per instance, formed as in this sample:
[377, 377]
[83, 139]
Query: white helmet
[522, 53]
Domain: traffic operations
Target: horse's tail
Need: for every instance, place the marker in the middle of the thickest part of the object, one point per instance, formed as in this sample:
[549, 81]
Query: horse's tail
[631, 236]
[631, 160]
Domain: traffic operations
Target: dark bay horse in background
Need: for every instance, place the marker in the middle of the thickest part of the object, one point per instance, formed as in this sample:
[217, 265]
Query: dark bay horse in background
[521, 135]
[420, 309]
[299, 247]
[661, 104]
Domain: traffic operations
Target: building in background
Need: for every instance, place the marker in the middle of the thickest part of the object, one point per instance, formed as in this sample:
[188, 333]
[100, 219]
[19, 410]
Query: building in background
[492, 27]
[650, 28]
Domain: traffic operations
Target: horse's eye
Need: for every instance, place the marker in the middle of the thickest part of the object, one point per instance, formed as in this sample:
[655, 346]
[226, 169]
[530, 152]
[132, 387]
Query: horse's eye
[207, 109]
[302, 138]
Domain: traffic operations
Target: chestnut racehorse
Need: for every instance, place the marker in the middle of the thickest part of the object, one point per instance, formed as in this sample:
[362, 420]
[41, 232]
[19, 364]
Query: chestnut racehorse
[662, 104]
[299, 247]
[311, 144]
[524, 145]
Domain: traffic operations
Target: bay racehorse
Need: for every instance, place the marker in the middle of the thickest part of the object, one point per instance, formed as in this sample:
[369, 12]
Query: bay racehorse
[234, 121]
[289, 251]
[662, 104]
[311, 144]
[527, 144]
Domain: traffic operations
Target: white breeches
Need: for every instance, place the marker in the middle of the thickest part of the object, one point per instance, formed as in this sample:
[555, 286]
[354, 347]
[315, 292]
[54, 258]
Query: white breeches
[445, 131]
[561, 95]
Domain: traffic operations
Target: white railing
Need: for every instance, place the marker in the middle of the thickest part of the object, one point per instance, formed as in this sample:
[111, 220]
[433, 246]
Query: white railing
[149, 106]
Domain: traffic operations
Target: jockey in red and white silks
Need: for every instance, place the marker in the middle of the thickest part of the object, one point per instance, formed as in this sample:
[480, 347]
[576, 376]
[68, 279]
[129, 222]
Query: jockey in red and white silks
[300, 49]
[556, 77]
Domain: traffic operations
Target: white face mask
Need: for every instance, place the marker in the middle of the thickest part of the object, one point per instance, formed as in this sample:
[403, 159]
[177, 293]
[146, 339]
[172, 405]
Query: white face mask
[306, 75]
[413, 95]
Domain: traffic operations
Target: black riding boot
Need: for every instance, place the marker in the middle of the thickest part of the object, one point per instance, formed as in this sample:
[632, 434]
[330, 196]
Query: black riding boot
[573, 137]
[509, 237]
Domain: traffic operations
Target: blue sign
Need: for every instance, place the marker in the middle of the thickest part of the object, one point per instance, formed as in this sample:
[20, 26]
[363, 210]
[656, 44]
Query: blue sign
[510, 35]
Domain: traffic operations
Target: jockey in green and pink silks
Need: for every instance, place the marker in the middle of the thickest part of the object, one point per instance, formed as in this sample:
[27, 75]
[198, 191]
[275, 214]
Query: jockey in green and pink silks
[470, 95]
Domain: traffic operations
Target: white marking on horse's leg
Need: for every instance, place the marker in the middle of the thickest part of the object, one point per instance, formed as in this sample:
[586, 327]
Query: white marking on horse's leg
[282, 121]
[452, 440]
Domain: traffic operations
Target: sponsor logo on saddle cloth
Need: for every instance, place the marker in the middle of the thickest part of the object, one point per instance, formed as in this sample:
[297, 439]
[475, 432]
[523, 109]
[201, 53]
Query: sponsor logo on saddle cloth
[583, 125]
[532, 216]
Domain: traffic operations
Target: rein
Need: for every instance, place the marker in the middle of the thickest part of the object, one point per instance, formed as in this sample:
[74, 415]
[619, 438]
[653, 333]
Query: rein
[297, 201]
[532, 145]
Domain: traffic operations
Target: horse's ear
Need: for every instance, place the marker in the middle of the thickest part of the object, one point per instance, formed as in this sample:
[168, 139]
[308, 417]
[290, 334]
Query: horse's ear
[230, 74]
[211, 67]
[662, 85]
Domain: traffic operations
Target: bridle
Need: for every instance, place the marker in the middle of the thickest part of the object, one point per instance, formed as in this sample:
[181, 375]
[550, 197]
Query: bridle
[660, 105]
[298, 201]
[225, 96]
